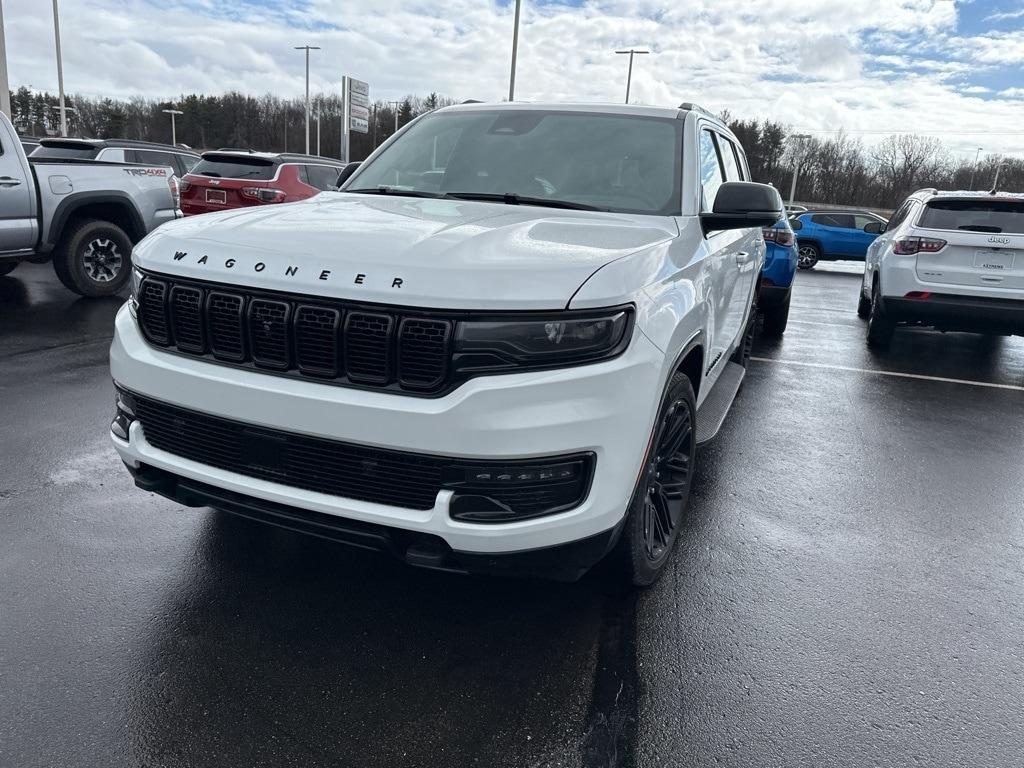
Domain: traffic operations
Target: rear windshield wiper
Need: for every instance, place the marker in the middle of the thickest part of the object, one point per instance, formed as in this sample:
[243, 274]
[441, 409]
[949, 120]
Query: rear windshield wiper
[384, 189]
[980, 228]
[511, 198]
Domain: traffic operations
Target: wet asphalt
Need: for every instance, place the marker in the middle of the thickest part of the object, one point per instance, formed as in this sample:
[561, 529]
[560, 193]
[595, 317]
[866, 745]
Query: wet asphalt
[847, 590]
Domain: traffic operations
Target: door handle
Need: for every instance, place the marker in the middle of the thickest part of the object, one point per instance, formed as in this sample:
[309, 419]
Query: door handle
[9, 181]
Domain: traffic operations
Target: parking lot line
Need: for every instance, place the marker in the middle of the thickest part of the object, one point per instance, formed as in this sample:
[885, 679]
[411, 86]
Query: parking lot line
[897, 374]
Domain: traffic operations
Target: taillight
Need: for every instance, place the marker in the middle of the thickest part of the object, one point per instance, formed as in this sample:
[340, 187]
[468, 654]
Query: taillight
[184, 185]
[908, 246]
[919, 295]
[172, 182]
[781, 237]
[264, 194]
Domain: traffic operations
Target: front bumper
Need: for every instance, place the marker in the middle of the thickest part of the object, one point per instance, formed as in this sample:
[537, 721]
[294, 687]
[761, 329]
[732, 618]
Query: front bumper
[606, 408]
[950, 312]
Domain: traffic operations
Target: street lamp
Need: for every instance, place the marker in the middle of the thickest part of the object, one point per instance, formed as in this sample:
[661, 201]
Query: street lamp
[174, 133]
[629, 75]
[63, 111]
[396, 105]
[307, 49]
[60, 73]
[974, 170]
[801, 137]
[5, 91]
[515, 50]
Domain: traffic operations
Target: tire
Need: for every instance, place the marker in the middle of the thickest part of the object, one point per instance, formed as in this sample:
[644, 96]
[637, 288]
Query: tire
[93, 258]
[863, 307]
[6, 267]
[880, 325]
[776, 318]
[807, 255]
[657, 509]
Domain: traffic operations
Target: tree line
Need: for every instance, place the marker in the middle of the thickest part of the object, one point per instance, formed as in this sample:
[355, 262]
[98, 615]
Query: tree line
[836, 170]
[840, 170]
[265, 123]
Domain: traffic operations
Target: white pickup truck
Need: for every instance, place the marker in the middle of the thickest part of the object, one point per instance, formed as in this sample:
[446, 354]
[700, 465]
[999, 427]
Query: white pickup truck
[82, 215]
[495, 349]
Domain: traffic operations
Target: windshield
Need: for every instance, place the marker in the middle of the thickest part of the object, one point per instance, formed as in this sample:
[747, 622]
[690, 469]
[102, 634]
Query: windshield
[622, 163]
[974, 215]
[66, 151]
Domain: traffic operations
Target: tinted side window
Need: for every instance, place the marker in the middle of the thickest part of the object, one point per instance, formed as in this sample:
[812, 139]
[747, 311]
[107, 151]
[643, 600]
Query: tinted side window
[710, 171]
[841, 220]
[150, 157]
[323, 176]
[900, 215]
[732, 170]
[741, 162]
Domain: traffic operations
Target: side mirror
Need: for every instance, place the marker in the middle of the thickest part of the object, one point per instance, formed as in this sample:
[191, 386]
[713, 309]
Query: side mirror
[741, 205]
[796, 224]
[873, 228]
[347, 172]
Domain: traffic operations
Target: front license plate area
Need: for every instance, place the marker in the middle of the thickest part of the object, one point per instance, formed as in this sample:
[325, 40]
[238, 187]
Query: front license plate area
[216, 196]
[995, 261]
[261, 451]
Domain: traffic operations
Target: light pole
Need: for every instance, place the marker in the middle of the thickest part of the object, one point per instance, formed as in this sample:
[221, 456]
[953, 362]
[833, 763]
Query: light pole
[396, 105]
[801, 137]
[174, 132]
[5, 91]
[974, 170]
[66, 109]
[60, 72]
[307, 49]
[995, 181]
[629, 74]
[515, 51]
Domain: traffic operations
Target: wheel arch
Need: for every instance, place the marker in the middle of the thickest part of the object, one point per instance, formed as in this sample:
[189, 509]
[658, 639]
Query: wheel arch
[690, 362]
[114, 207]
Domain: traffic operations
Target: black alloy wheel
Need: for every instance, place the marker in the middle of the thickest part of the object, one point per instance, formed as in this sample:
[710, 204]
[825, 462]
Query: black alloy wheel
[668, 479]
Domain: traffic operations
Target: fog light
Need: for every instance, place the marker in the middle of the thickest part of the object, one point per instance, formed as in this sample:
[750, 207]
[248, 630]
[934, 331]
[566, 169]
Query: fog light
[496, 493]
[124, 414]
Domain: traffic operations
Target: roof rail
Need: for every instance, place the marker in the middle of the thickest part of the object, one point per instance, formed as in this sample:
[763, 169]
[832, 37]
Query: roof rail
[689, 106]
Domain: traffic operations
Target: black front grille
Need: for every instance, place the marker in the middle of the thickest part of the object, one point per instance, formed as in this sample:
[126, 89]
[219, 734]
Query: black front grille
[348, 470]
[330, 340]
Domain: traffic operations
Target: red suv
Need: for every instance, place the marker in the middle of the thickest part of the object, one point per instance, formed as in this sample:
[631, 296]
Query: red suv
[239, 178]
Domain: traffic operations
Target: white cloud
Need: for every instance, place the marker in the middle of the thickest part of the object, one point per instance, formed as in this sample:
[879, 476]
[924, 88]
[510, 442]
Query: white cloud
[815, 64]
[1012, 93]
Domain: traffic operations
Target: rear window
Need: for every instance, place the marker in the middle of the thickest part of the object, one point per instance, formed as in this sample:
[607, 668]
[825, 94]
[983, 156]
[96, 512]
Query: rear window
[232, 167]
[66, 151]
[974, 215]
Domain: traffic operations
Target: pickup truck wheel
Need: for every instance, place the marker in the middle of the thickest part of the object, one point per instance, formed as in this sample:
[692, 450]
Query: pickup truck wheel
[662, 495]
[880, 325]
[808, 255]
[776, 318]
[6, 267]
[94, 258]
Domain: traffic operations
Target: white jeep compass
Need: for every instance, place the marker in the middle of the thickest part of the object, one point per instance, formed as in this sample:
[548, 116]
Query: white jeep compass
[949, 260]
[495, 350]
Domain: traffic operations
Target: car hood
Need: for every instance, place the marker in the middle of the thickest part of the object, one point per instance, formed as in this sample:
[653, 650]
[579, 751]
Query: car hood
[447, 254]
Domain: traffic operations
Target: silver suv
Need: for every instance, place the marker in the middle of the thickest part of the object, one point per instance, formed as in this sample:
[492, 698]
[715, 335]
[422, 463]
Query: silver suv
[953, 261]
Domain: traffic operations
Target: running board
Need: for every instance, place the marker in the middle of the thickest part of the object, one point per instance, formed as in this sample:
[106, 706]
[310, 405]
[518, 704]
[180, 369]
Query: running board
[712, 412]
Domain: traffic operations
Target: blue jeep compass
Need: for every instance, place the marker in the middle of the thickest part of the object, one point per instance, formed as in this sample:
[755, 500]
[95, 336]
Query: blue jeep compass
[834, 235]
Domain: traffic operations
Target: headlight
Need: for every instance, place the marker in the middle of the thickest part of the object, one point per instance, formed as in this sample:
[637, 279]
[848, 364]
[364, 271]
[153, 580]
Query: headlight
[570, 338]
[133, 296]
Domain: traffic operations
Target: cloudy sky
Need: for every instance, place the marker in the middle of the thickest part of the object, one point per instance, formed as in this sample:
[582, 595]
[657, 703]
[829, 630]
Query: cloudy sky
[953, 68]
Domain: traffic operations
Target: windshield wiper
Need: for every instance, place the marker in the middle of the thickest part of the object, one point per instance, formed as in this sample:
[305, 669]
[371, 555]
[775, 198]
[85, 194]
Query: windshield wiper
[384, 189]
[511, 198]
